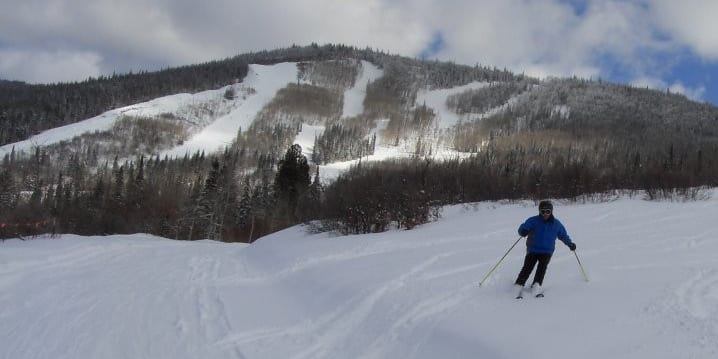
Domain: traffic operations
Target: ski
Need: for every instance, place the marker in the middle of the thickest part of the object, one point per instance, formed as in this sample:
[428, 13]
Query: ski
[521, 296]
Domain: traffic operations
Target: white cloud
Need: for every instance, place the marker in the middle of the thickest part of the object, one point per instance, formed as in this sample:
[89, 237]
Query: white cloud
[40, 66]
[538, 37]
[134, 33]
[548, 37]
[257, 25]
[691, 23]
[693, 93]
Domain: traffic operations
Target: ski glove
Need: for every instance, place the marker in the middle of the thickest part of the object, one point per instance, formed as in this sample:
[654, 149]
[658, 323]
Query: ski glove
[572, 246]
[523, 233]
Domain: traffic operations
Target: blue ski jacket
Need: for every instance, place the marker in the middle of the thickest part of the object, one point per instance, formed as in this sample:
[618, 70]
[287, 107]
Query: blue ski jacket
[542, 234]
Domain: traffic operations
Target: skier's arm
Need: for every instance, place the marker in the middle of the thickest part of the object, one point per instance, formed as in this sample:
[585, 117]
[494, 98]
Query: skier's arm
[526, 228]
[564, 237]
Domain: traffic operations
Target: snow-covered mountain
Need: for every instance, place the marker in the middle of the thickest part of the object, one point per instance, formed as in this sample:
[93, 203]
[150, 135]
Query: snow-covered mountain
[401, 294]
[430, 133]
[215, 129]
[415, 108]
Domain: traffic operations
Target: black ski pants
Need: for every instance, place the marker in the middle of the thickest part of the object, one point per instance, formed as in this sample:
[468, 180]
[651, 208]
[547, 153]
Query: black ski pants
[529, 263]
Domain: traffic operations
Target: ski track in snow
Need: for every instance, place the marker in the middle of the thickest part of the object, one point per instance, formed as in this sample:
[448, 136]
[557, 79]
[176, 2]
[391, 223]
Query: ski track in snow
[692, 310]
[401, 294]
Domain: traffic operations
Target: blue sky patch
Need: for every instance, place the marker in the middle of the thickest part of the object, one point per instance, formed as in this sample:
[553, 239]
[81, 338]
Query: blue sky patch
[437, 44]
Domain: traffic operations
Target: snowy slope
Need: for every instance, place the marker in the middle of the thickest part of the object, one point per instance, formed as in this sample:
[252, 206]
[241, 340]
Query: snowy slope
[354, 97]
[266, 81]
[258, 88]
[402, 294]
[436, 100]
[214, 132]
[183, 105]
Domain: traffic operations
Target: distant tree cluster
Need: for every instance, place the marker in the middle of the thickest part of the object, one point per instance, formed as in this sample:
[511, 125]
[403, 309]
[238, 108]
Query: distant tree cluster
[440, 74]
[342, 143]
[403, 193]
[338, 75]
[484, 99]
[197, 197]
[376, 196]
[409, 124]
[314, 104]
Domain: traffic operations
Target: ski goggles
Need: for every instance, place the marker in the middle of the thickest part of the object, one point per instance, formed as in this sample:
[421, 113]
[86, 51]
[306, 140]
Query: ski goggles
[545, 211]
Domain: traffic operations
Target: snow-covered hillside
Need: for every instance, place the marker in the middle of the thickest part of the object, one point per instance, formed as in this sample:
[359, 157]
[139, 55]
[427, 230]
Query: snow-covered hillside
[264, 81]
[436, 100]
[212, 133]
[653, 291]
[354, 96]
[213, 130]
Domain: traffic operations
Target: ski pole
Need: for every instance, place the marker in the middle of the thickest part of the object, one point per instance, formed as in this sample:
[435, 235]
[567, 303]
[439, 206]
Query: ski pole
[499, 262]
[581, 266]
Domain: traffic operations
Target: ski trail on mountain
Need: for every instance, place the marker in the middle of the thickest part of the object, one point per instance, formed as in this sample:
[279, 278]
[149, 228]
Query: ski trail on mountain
[259, 87]
[354, 97]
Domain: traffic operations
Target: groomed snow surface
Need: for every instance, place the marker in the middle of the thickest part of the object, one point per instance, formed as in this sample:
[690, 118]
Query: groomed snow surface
[653, 291]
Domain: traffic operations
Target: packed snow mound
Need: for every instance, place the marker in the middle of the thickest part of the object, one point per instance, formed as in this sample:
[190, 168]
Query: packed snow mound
[653, 291]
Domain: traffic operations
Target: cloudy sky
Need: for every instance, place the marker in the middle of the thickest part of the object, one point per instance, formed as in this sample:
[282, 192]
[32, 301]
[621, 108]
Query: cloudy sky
[663, 44]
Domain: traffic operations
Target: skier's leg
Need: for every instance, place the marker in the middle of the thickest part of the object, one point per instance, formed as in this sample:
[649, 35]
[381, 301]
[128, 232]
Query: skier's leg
[543, 260]
[529, 263]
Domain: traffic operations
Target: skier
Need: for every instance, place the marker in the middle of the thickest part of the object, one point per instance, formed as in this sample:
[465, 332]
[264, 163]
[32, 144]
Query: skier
[542, 231]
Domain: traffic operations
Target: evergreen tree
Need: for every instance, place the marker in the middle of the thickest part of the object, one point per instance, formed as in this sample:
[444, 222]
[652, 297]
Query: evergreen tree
[291, 181]
[207, 209]
[245, 205]
[8, 192]
[137, 196]
[309, 206]
[59, 191]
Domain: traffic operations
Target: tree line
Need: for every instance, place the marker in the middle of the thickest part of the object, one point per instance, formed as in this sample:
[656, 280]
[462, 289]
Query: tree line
[201, 196]
[195, 197]
[403, 193]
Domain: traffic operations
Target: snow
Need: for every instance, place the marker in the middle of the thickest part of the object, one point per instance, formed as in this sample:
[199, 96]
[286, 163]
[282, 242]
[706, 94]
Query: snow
[436, 100]
[102, 122]
[214, 132]
[562, 111]
[257, 89]
[653, 291]
[306, 137]
[353, 106]
[180, 104]
[354, 97]
[329, 172]
[266, 81]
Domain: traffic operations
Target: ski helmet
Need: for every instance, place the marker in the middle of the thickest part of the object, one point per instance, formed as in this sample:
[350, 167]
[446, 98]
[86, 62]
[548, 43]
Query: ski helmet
[546, 205]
